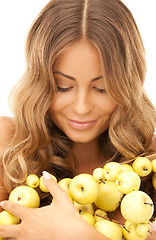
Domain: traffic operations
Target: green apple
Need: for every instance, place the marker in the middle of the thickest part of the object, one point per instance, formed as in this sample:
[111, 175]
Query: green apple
[126, 167]
[8, 218]
[154, 165]
[26, 196]
[98, 175]
[142, 229]
[154, 180]
[142, 166]
[112, 170]
[88, 217]
[137, 207]
[83, 189]
[99, 212]
[128, 181]
[87, 208]
[33, 181]
[126, 230]
[109, 197]
[64, 184]
[109, 229]
[133, 231]
[42, 185]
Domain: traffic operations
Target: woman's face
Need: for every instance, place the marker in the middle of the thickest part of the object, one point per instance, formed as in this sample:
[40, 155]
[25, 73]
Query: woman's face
[81, 107]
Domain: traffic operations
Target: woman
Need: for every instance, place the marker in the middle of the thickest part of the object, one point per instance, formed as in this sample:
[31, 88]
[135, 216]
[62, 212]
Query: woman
[80, 104]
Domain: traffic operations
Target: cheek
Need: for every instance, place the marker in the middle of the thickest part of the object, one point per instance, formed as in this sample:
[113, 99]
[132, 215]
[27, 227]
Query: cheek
[107, 106]
[57, 104]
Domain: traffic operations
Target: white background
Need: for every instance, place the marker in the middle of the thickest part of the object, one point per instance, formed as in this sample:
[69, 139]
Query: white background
[16, 16]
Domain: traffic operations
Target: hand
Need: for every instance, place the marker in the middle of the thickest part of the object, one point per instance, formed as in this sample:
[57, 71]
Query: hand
[153, 231]
[58, 221]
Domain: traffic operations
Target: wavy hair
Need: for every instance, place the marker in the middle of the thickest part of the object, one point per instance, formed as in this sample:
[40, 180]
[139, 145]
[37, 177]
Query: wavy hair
[37, 143]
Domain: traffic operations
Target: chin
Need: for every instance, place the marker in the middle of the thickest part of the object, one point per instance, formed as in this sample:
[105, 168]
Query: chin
[82, 138]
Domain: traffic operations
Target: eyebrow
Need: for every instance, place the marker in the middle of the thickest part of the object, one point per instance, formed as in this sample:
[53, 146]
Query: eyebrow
[72, 78]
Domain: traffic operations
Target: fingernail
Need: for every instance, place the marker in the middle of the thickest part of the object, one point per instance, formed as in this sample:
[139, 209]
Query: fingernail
[2, 203]
[46, 175]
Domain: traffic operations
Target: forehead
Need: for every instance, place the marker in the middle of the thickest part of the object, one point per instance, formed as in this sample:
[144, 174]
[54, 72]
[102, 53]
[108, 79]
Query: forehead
[82, 56]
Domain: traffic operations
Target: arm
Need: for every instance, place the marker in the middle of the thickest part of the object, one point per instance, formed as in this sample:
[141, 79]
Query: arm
[58, 221]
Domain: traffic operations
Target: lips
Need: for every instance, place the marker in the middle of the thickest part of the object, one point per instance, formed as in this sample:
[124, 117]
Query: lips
[81, 125]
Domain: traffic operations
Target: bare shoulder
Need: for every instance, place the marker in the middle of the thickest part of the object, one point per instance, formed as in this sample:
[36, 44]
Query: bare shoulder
[7, 128]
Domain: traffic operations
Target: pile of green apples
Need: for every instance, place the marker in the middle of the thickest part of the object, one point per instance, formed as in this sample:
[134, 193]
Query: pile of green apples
[95, 195]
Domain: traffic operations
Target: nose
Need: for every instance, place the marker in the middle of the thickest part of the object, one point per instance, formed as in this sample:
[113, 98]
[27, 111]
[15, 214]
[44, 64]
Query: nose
[82, 103]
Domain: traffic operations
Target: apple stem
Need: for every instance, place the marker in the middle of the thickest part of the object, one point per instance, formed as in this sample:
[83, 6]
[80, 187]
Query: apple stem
[101, 181]
[151, 204]
[112, 220]
[150, 232]
[126, 229]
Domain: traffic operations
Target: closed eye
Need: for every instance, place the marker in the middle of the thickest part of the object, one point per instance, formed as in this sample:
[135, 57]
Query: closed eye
[100, 90]
[60, 89]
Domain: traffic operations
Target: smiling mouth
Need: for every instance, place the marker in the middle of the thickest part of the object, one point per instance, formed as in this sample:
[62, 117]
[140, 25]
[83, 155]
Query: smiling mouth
[81, 124]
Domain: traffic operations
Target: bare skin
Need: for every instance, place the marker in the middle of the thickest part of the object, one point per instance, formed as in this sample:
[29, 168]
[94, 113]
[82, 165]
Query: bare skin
[54, 212]
[82, 110]
[49, 219]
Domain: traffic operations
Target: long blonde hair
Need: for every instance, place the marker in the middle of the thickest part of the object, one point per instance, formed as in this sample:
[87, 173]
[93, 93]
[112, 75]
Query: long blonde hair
[37, 143]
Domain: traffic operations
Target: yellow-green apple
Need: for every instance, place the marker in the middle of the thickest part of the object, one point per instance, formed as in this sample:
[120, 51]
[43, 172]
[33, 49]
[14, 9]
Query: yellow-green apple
[42, 185]
[98, 175]
[154, 180]
[26, 196]
[33, 181]
[142, 229]
[126, 230]
[126, 167]
[8, 218]
[142, 166]
[128, 181]
[109, 229]
[137, 207]
[87, 208]
[88, 217]
[109, 197]
[101, 213]
[112, 170]
[64, 184]
[154, 165]
[83, 189]
[133, 231]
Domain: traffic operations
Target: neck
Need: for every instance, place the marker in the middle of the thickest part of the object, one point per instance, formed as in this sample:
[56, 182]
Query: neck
[88, 156]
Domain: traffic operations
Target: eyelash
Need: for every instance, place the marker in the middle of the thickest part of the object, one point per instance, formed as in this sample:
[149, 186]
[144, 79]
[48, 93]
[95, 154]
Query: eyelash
[100, 90]
[59, 89]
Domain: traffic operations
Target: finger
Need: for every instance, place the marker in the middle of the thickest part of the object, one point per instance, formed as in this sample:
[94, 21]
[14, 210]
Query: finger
[15, 208]
[55, 190]
[9, 230]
